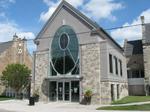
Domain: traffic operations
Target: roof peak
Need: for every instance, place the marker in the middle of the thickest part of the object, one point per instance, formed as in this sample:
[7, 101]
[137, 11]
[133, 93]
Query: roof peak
[90, 23]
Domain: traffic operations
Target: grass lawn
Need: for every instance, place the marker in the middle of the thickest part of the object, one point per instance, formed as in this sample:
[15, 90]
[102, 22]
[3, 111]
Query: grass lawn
[2, 98]
[132, 99]
[144, 107]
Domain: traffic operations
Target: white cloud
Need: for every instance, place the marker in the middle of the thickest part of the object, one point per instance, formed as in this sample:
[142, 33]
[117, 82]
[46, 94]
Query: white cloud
[96, 9]
[131, 33]
[49, 2]
[46, 15]
[27, 35]
[76, 3]
[8, 29]
[53, 5]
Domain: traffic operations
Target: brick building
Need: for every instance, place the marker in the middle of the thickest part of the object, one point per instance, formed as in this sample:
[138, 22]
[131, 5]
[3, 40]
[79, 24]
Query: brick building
[14, 51]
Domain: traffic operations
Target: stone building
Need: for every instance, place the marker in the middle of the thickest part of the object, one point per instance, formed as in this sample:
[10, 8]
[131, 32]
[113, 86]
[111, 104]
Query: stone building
[73, 55]
[135, 66]
[138, 62]
[146, 51]
[14, 51]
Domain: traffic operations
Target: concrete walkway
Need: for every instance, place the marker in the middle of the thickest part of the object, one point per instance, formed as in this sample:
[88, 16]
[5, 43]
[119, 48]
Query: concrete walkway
[22, 106]
[5, 111]
[136, 103]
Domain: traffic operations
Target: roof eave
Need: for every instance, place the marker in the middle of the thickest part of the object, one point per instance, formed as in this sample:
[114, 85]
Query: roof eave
[111, 39]
[77, 12]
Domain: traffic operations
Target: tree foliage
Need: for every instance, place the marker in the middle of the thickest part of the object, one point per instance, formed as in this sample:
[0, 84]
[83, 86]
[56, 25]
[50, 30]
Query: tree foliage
[16, 76]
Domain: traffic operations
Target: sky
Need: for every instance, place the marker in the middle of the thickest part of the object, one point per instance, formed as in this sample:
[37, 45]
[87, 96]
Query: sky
[27, 17]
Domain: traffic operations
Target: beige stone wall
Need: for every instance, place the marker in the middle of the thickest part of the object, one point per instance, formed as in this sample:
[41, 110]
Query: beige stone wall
[41, 72]
[147, 61]
[11, 55]
[106, 96]
[123, 90]
[90, 70]
[146, 50]
[106, 91]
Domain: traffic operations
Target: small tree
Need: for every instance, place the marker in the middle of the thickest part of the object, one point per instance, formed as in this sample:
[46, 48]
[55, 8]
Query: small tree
[16, 76]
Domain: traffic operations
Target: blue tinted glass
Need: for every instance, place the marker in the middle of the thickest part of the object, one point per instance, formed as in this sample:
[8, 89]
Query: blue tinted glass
[64, 50]
[64, 41]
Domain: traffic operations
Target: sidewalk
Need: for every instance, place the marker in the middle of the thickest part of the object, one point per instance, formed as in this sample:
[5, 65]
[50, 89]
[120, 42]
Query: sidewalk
[22, 106]
[136, 103]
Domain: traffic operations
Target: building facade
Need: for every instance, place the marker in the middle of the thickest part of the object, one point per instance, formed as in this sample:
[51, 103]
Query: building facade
[138, 62]
[73, 55]
[14, 51]
[135, 67]
[146, 51]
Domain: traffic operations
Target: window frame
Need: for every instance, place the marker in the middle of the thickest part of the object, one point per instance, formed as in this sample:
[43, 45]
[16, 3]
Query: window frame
[110, 63]
[77, 62]
[116, 65]
[121, 72]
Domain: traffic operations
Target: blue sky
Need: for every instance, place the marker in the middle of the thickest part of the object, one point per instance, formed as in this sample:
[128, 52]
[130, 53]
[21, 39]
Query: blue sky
[26, 17]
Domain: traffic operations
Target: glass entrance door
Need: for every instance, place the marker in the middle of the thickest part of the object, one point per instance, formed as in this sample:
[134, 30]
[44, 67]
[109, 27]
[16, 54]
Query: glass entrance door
[67, 91]
[53, 91]
[64, 91]
[60, 91]
[75, 89]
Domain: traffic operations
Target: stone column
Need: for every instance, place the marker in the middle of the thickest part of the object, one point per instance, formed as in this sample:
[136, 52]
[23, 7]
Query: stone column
[41, 73]
[146, 53]
[90, 62]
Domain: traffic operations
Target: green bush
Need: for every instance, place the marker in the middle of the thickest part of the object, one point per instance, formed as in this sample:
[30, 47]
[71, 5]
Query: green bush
[88, 93]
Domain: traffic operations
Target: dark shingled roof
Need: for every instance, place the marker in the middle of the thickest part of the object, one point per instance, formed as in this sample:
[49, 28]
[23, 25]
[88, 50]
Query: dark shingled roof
[133, 47]
[147, 33]
[5, 45]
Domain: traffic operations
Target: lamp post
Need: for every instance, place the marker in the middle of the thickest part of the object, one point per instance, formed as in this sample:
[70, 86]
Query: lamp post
[29, 86]
[31, 99]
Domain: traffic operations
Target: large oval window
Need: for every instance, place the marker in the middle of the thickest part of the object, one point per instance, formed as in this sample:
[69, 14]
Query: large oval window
[64, 50]
[64, 41]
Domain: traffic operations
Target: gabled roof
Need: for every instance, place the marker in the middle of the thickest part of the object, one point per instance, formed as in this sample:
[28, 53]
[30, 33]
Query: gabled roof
[5, 45]
[84, 18]
[133, 47]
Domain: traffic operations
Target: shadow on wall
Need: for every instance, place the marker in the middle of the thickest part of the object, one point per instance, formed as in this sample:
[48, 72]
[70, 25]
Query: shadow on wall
[44, 87]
